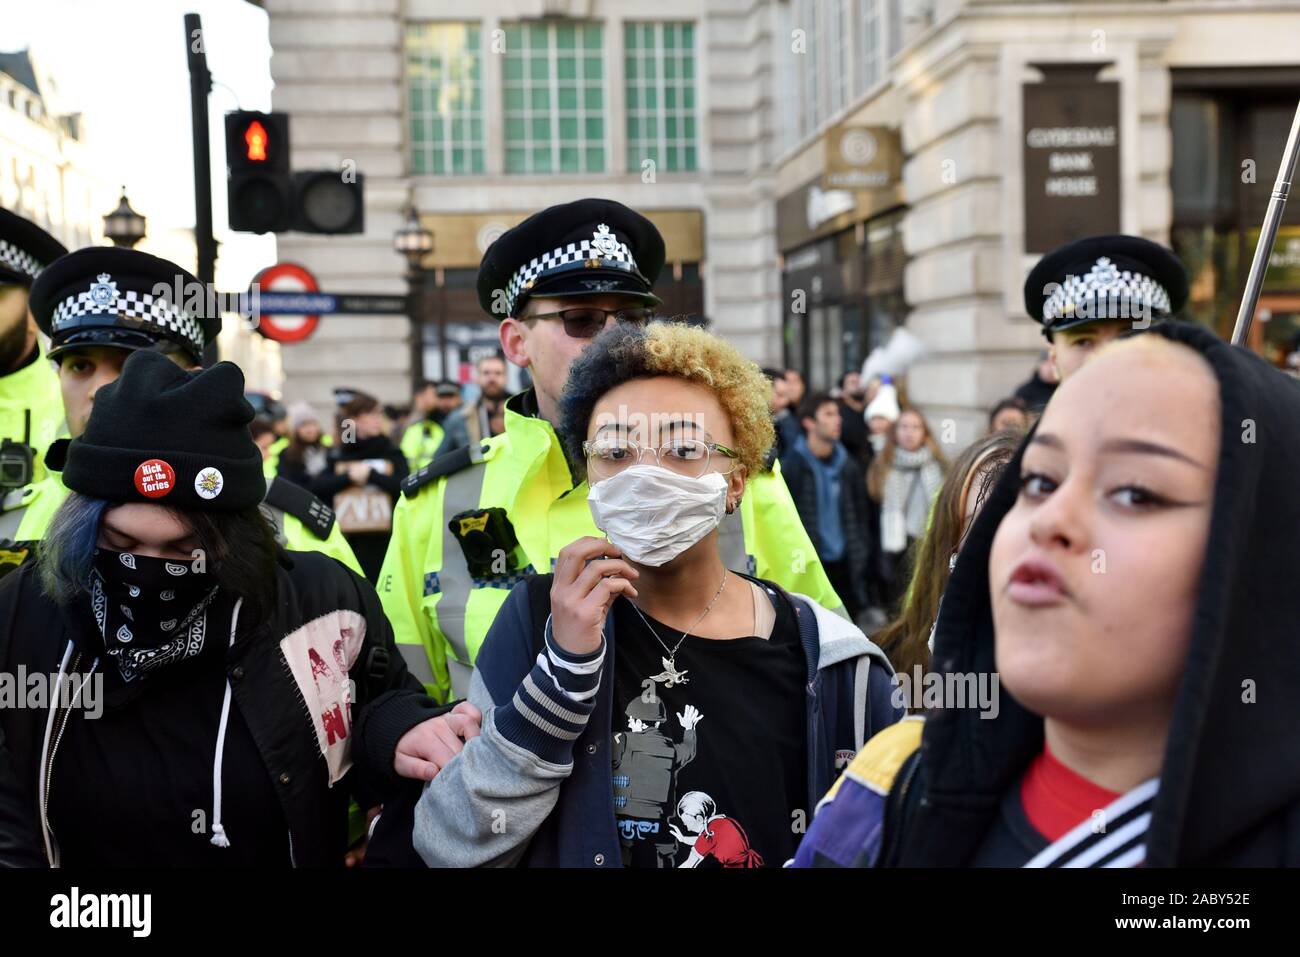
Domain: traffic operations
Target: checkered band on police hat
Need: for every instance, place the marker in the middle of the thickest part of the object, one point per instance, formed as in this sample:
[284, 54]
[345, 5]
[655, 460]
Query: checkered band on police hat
[19, 260]
[1105, 283]
[104, 299]
[604, 247]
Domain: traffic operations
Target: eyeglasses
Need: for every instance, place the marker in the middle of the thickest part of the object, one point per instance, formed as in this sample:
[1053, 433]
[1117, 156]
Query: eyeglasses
[586, 322]
[690, 457]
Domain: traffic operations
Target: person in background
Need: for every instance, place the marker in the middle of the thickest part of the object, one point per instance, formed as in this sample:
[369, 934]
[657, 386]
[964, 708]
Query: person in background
[307, 454]
[1035, 392]
[485, 416]
[903, 480]
[213, 675]
[424, 433]
[362, 480]
[784, 419]
[31, 415]
[264, 436]
[853, 418]
[830, 491]
[1009, 414]
[1146, 714]
[907, 640]
[795, 387]
[1091, 291]
[642, 657]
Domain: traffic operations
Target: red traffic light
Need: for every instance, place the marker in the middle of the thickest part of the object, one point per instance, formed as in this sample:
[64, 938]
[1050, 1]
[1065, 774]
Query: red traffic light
[255, 137]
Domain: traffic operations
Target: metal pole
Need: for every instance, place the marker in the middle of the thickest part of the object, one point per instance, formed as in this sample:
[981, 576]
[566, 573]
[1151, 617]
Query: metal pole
[1268, 234]
[415, 292]
[200, 86]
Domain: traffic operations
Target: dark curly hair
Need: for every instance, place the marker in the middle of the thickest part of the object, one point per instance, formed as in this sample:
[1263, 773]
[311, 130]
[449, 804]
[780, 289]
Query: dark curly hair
[625, 352]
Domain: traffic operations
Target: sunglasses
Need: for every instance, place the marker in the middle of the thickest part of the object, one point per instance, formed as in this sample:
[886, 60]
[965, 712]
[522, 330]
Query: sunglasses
[586, 322]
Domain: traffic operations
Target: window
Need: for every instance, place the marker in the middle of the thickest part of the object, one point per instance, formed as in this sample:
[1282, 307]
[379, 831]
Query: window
[869, 67]
[444, 76]
[840, 37]
[808, 17]
[659, 65]
[554, 98]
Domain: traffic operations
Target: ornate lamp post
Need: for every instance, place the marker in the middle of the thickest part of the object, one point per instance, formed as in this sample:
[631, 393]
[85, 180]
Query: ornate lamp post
[124, 226]
[415, 242]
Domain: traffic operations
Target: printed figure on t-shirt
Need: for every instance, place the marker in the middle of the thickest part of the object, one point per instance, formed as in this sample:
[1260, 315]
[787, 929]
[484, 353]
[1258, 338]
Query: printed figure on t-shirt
[646, 762]
[710, 834]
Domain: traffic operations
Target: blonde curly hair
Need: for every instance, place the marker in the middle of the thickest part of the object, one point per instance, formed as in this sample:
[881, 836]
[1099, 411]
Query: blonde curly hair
[623, 353]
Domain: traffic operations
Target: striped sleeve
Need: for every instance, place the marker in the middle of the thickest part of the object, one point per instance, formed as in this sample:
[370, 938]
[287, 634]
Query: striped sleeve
[551, 706]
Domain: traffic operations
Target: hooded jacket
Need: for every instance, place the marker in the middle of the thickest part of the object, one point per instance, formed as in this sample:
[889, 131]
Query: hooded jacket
[555, 788]
[323, 611]
[1229, 790]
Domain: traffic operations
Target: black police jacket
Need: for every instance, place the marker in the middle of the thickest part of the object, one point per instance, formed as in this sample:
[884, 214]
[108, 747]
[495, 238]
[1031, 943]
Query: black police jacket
[323, 611]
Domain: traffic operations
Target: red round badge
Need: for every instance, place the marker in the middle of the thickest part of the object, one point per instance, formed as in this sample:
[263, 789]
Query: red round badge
[154, 478]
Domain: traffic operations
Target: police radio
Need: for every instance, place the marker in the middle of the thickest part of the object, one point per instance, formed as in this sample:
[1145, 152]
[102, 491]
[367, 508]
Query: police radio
[18, 459]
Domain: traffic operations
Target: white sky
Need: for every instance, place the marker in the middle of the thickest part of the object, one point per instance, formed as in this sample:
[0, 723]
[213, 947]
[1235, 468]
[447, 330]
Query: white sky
[122, 64]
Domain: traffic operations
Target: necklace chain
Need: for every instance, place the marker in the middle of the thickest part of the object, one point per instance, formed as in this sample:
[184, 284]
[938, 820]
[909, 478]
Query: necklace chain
[672, 655]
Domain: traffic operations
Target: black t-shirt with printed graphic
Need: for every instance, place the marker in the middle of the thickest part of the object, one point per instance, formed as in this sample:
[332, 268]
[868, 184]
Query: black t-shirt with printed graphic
[713, 759]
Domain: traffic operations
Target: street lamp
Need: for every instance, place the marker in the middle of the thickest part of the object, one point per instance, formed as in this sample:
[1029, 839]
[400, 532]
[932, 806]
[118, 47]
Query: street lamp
[415, 242]
[124, 226]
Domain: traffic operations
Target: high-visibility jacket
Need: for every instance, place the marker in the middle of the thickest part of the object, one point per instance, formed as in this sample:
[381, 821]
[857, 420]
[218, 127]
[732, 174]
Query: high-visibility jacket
[34, 388]
[420, 442]
[440, 613]
[271, 464]
[296, 532]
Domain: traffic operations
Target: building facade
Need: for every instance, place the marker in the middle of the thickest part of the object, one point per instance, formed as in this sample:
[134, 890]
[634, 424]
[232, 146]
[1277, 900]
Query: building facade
[482, 114]
[1023, 125]
[823, 170]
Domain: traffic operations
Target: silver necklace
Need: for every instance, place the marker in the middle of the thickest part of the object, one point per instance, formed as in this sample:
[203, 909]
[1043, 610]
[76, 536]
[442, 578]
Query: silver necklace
[670, 675]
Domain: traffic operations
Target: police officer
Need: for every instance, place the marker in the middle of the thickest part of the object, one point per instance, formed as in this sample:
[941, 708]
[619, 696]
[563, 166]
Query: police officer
[31, 416]
[480, 518]
[421, 439]
[1092, 290]
[100, 304]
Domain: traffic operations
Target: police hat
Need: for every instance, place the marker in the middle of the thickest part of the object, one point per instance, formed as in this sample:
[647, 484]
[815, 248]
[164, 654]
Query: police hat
[25, 249]
[447, 387]
[587, 248]
[1105, 277]
[108, 296]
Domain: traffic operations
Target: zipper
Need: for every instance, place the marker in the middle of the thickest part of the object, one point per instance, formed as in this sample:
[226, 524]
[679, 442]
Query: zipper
[293, 861]
[49, 765]
[893, 836]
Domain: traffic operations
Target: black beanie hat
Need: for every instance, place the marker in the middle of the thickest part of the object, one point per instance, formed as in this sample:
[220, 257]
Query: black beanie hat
[165, 436]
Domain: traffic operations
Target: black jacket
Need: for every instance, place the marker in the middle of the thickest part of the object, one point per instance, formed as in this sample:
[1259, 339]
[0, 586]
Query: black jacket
[1230, 781]
[330, 482]
[854, 512]
[317, 591]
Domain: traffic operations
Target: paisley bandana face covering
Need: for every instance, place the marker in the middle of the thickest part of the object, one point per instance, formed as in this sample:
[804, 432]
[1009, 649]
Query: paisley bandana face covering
[151, 612]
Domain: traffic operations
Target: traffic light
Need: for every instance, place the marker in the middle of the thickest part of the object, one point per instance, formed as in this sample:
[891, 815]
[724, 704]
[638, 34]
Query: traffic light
[259, 184]
[265, 196]
[327, 201]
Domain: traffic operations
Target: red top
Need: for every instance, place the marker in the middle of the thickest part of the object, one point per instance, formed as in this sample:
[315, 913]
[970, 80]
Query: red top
[1056, 799]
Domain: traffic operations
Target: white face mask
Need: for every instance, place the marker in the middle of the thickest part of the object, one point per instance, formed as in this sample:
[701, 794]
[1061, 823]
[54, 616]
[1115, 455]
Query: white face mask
[653, 515]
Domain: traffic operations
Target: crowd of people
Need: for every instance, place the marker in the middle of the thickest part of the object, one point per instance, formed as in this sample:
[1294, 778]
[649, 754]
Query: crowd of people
[662, 608]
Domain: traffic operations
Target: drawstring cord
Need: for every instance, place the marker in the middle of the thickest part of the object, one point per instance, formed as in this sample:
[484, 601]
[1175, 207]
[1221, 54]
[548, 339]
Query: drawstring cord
[219, 838]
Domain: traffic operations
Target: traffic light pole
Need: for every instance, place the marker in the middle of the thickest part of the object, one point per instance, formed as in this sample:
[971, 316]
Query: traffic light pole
[200, 86]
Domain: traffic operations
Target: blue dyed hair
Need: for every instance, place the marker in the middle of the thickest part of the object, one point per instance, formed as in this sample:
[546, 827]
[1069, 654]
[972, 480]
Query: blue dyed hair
[240, 547]
[67, 552]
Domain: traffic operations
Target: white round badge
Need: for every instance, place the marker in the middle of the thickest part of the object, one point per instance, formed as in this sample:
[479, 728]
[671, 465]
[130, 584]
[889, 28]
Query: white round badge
[209, 483]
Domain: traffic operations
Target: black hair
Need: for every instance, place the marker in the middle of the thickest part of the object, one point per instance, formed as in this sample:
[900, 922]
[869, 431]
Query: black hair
[1008, 403]
[812, 402]
[772, 373]
[615, 356]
